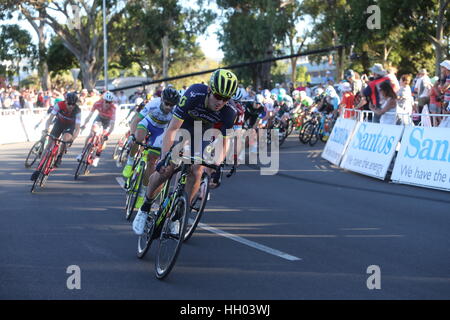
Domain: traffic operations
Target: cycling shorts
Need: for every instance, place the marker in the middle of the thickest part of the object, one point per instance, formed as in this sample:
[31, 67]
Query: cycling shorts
[104, 122]
[154, 140]
[60, 128]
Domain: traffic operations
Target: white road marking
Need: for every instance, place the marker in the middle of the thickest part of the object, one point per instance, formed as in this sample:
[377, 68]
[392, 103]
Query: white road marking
[121, 182]
[225, 234]
[248, 242]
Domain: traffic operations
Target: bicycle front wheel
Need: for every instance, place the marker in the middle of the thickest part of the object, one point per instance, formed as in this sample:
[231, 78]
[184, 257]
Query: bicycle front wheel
[314, 136]
[146, 239]
[82, 165]
[133, 192]
[197, 207]
[172, 236]
[34, 154]
[306, 132]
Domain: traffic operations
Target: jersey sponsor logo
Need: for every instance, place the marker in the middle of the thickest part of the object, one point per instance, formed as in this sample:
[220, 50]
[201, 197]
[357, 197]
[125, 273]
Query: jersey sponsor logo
[195, 94]
[204, 117]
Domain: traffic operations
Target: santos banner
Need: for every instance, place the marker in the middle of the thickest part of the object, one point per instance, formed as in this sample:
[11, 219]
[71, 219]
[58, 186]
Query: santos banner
[338, 141]
[371, 149]
[424, 158]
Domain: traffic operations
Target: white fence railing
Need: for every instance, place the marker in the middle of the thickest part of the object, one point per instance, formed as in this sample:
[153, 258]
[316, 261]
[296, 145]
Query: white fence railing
[27, 125]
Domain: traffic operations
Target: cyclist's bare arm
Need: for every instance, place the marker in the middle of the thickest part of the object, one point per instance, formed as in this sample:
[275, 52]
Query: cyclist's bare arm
[134, 122]
[88, 118]
[169, 135]
[49, 121]
[76, 132]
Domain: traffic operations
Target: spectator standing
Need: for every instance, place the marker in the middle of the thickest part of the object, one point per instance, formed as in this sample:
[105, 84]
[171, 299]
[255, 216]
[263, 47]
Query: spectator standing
[445, 88]
[387, 112]
[347, 102]
[371, 92]
[422, 89]
[122, 98]
[405, 100]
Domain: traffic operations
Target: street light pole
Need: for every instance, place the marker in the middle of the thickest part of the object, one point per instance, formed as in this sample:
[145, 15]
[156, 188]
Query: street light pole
[105, 46]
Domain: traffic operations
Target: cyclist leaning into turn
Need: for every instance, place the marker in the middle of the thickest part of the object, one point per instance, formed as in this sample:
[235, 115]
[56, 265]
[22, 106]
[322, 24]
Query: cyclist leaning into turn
[68, 118]
[106, 118]
[152, 121]
[207, 104]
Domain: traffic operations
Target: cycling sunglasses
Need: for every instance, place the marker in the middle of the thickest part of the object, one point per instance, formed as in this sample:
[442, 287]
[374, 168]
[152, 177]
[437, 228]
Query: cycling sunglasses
[219, 97]
[168, 104]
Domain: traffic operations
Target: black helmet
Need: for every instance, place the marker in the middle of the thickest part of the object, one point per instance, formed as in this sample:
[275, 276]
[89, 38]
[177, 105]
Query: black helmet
[171, 95]
[71, 98]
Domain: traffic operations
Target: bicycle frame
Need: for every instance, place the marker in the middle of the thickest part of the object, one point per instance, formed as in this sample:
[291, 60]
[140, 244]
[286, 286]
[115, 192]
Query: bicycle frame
[51, 154]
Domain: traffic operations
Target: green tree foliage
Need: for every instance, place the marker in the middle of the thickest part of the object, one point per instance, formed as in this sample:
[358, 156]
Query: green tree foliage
[409, 32]
[160, 19]
[251, 32]
[59, 58]
[15, 46]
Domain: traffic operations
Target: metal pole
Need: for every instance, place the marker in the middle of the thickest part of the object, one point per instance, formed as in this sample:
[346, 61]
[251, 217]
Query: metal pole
[105, 46]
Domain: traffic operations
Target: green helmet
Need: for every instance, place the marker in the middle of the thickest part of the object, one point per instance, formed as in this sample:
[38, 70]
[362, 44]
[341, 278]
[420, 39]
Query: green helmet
[223, 82]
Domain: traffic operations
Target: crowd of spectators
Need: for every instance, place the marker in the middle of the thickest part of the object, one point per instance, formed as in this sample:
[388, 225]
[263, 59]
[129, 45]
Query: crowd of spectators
[408, 98]
[13, 98]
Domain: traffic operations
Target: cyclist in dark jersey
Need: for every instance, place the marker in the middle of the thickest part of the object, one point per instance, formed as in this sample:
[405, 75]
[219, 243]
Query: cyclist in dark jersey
[200, 105]
[67, 116]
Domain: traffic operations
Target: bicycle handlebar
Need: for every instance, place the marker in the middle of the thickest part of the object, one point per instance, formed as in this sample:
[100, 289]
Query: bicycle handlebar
[55, 138]
[168, 158]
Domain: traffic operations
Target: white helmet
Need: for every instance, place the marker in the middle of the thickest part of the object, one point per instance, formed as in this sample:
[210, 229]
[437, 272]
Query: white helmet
[295, 93]
[302, 94]
[319, 91]
[240, 92]
[138, 101]
[259, 98]
[108, 96]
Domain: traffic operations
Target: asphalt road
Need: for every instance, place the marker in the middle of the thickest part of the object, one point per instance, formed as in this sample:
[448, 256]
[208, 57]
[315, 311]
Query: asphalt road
[309, 232]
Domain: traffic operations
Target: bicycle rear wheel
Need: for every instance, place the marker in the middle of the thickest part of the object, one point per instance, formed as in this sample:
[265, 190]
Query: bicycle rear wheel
[34, 154]
[118, 148]
[197, 207]
[170, 240]
[123, 155]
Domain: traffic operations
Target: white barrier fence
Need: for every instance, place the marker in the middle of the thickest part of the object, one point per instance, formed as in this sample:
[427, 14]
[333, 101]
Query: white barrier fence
[27, 125]
[421, 154]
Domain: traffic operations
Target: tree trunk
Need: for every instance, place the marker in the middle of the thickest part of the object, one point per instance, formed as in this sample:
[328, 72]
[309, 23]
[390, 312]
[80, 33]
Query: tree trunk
[340, 64]
[264, 69]
[89, 74]
[437, 42]
[165, 55]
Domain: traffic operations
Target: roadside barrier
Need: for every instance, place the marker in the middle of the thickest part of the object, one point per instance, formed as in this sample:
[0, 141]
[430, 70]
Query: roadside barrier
[414, 154]
[27, 125]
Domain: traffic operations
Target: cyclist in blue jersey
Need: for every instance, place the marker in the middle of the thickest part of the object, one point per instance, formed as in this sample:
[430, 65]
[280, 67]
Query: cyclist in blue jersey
[205, 104]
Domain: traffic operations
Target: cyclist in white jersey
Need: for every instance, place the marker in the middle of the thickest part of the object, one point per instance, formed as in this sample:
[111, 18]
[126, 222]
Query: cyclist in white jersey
[152, 121]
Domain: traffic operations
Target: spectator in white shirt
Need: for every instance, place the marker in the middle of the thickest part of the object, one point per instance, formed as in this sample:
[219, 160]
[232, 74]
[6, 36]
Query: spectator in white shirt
[422, 89]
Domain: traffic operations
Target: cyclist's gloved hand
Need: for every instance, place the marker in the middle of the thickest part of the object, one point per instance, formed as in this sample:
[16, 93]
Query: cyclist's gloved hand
[105, 137]
[159, 165]
[215, 176]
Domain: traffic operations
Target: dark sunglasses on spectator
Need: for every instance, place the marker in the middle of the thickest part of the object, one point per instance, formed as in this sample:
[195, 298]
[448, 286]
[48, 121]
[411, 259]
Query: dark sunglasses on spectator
[219, 97]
